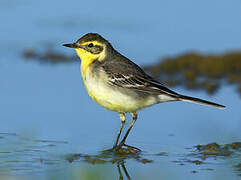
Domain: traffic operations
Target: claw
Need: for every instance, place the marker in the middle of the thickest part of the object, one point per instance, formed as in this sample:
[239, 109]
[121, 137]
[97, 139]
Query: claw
[125, 149]
[132, 148]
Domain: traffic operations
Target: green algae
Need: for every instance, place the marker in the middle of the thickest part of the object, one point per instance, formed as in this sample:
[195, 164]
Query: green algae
[108, 156]
[214, 149]
[238, 169]
[113, 156]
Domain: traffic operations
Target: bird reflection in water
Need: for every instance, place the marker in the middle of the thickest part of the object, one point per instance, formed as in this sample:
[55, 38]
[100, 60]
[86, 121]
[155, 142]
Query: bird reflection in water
[111, 156]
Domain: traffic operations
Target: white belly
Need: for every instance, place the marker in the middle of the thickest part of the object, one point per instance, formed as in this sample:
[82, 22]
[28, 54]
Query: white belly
[113, 99]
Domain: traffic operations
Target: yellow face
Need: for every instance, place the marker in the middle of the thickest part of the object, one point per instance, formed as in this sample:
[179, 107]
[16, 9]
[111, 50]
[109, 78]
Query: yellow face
[90, 51]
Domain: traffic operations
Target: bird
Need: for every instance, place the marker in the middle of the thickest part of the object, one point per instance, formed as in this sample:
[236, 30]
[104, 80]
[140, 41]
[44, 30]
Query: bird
[118, 84]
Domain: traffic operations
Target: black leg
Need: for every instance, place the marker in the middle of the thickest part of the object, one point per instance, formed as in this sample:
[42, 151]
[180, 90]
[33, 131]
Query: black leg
[126, 172]
[134, 118]
[124, 169]
[119, 171]
[123, 120]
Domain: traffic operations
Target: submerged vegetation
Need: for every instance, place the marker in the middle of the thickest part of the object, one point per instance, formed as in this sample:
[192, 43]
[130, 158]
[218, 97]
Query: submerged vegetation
[36, 155]
[214, 149]
[199, 157]
[110, 157]
[192, 70]
[205, 156]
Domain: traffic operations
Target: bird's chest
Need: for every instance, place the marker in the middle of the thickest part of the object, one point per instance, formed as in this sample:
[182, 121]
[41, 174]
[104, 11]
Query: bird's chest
[112, 98]
[97, 88]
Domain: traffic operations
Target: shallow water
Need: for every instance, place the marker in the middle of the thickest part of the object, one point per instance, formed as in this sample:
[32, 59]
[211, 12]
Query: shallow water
[51, 129]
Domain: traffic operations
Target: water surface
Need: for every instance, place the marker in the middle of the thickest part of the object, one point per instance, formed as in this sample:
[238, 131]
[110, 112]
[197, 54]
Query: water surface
[47, 116]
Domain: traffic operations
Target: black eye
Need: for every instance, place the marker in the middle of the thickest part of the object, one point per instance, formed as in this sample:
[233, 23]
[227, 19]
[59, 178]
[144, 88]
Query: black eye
[90, 45]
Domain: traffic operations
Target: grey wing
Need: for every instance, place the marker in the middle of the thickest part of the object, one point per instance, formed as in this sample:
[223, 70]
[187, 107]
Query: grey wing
[129, 75]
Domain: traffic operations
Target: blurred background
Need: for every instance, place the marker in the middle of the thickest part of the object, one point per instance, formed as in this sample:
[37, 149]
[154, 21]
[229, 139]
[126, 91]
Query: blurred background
[51, 129]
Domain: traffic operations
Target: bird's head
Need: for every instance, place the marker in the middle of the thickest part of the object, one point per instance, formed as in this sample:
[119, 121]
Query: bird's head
[90, 47]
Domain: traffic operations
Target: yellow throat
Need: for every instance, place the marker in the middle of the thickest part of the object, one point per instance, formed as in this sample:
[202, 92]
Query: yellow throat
[88, 58]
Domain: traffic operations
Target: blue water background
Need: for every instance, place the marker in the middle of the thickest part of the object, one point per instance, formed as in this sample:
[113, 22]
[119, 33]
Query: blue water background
[48, 101]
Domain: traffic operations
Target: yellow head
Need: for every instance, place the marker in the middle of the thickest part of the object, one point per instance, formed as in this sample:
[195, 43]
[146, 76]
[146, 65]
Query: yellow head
[91, 47]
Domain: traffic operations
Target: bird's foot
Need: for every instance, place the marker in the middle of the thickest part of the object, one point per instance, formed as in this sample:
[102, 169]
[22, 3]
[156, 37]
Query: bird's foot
[123, 148]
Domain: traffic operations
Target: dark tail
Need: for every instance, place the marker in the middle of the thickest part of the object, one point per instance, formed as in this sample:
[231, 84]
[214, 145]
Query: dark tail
[200, 101]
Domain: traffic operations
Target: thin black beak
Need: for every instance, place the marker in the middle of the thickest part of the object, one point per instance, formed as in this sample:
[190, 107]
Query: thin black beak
[73, 45]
